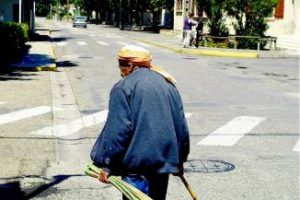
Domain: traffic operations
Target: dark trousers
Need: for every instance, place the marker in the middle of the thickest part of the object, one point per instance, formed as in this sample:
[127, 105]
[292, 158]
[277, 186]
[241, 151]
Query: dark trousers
[198, 35]
[154, 185]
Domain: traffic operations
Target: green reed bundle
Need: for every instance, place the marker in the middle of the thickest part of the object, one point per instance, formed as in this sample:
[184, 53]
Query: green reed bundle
[128, 190]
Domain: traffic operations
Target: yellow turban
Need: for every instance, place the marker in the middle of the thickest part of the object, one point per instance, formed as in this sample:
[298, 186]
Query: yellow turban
[131, 55]
[134, 55]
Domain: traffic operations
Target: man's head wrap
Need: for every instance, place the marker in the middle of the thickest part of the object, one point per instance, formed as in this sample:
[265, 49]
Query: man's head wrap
[133, 56]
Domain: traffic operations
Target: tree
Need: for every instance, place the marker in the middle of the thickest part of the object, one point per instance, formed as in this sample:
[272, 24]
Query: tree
[250, 16]
[214, 10]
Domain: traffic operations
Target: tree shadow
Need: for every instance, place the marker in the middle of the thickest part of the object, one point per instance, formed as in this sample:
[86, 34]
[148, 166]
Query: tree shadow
[66, 63]
[10, 75]
[36, 37]
[60, 39]
[13, 190]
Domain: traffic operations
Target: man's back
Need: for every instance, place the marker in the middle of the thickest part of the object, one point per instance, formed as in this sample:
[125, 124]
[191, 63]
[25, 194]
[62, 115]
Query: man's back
[157, 121]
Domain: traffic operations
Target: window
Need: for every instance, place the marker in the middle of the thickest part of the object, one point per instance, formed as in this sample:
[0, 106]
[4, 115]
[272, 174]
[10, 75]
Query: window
[179, 5]
[279, 10]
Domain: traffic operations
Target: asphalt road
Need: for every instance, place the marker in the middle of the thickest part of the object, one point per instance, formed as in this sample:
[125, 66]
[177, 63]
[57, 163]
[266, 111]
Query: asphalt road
[243, 116]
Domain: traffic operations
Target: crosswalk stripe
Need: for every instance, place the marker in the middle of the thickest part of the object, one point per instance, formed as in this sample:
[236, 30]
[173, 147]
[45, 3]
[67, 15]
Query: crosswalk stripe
[74, 126]
[122, 43]
[22, 114]
[61, 44]
[81, 43]
[297, 146]
[231, 132]
[102, 43]
[143, 44]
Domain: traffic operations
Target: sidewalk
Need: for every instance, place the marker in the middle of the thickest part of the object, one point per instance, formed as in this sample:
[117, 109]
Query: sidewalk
[174, 44]
[41, 56]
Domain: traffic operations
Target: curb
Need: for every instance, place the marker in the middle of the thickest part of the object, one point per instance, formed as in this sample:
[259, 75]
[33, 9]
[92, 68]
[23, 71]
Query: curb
[205, 52]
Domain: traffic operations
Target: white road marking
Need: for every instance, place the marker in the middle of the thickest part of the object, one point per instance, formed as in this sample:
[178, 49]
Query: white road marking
[143, 44]
[122, 43]
[293, 94]
[61, 44]
[2, 103]
[231, 132]
[187, 115]
[102, 43]
[81, 43]
[22, 114]
[74, 126]
[297, 146]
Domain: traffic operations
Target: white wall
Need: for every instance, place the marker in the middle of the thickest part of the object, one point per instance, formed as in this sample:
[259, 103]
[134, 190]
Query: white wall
[290, 23]
[297, 17]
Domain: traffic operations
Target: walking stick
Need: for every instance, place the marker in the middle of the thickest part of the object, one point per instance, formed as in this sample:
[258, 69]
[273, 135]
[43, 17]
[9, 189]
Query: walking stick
[188, 187]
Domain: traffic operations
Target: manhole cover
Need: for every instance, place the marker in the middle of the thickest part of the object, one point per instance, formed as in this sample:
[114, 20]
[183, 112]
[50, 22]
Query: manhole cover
[207, 166]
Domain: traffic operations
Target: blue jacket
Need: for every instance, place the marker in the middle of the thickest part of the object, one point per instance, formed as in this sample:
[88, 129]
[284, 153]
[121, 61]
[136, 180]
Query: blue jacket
[146, 129]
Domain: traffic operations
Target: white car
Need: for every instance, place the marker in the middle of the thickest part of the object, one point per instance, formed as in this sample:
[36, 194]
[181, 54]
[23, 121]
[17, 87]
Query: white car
[80, 21]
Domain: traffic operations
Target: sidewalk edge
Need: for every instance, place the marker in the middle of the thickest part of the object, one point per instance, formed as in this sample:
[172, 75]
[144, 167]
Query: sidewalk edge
[208, 52]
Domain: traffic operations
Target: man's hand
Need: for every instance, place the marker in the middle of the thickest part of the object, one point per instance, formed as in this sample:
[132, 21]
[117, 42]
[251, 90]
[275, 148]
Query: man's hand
[103, 176]
[180, 170]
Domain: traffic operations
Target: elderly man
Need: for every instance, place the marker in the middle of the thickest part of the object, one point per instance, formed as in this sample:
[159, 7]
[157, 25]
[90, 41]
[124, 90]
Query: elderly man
[146, 136]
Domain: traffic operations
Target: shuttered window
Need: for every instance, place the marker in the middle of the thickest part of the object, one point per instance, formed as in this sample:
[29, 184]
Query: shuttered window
[279, 10]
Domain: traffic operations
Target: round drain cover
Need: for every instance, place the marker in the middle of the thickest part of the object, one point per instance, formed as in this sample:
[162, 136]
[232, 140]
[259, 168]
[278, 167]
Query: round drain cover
[207, 166]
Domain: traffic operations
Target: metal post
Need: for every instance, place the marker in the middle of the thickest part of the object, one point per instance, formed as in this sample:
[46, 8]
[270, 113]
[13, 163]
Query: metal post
[121, 16]
[33, 17]
[20, 11]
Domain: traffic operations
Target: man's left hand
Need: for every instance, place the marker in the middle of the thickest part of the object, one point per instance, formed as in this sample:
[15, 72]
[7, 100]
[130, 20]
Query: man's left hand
[103, 176]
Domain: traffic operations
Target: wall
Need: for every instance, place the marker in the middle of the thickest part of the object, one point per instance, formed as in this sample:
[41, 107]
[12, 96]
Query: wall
[290, 23]
[6, 9]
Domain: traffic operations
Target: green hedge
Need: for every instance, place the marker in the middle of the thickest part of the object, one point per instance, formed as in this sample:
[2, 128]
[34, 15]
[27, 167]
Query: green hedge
[13, 37]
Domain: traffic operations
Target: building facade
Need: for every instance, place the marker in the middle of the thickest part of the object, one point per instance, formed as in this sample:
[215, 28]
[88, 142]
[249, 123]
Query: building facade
[284, 24]
[22, 11]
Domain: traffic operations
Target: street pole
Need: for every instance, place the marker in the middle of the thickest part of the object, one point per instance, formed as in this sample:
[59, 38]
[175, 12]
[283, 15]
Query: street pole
[33, 17]
[20, 11]
[68, 7]
[121, 16]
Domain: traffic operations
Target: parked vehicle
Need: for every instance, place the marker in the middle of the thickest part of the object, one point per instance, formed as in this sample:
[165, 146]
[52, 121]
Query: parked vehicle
[80, 21]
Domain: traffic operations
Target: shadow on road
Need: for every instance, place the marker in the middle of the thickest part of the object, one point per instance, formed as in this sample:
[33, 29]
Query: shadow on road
[13, 190]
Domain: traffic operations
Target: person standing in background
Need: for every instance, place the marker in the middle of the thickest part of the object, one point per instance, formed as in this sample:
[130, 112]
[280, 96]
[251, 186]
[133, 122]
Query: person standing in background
[188, 35]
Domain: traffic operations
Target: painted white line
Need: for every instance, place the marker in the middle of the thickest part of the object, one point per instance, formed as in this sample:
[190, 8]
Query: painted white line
[76, 125]
[22, 114]
[143, 44]
[73, 126]
[188, 115]
[102, 43]
[231, 132]
[3, 103]
[61, 44]
[122, 43]
[81, 43]
[297, 146]
[293, 94]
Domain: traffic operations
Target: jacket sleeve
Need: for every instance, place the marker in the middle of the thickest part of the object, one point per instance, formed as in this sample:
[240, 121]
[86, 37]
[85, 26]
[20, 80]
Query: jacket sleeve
[112, 143]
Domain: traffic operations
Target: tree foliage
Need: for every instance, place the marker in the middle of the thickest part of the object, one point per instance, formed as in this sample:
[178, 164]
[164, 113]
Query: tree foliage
[214, 10]
[249, 17]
